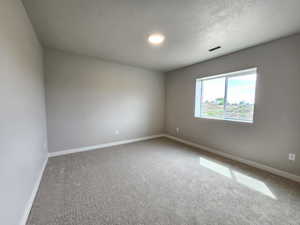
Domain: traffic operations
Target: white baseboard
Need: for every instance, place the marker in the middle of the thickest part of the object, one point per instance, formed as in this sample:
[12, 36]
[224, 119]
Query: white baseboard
[33, 194]
[205, 148]
[236, 158]
[94, 147]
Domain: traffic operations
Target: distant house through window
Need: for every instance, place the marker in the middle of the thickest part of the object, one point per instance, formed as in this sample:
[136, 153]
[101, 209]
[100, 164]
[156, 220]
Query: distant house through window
[228, 96]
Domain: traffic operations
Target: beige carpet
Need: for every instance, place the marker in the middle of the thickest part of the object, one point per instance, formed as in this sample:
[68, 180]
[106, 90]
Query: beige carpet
[161, 182]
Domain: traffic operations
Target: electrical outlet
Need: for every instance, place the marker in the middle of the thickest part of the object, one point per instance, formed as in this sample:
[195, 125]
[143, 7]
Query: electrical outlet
[292, 157]
[117, 132]
[177, 130]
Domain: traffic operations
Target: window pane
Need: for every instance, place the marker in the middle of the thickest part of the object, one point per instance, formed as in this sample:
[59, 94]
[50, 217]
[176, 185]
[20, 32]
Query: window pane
[240, 97]
[212, 104]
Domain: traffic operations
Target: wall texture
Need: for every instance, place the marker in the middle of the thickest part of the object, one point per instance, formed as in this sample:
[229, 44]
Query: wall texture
[89, 99]
[22, 111]
[276, 130]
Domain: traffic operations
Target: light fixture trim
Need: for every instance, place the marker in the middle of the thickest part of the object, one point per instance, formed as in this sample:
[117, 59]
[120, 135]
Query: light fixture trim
[156, 39]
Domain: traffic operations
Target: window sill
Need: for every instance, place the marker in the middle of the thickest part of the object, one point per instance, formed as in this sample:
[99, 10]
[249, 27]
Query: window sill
[226, 120]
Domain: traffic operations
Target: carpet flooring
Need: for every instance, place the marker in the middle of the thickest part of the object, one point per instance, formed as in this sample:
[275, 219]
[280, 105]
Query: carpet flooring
[161, 182]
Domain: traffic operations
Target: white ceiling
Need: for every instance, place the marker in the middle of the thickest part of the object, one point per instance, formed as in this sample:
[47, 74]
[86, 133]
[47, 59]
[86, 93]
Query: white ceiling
[118, 29]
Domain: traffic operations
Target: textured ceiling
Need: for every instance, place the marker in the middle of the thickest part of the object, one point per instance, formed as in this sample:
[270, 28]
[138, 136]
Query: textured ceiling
[118, 29]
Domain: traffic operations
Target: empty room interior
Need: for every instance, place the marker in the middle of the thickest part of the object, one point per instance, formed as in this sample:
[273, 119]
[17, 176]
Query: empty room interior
[161, 112]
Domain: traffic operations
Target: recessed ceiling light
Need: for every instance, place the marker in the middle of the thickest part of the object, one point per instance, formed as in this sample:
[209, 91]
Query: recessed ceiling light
[156, 39]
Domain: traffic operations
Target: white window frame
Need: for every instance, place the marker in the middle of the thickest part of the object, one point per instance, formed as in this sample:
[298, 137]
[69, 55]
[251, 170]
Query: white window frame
[199, 94]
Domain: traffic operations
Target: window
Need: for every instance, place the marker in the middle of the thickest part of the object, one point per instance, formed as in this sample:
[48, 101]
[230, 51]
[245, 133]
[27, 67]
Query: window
[228, 96]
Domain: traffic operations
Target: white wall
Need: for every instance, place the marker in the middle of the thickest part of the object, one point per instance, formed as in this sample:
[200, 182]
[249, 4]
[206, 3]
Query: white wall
[22, 111]
[89, 99]
[276, 129]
